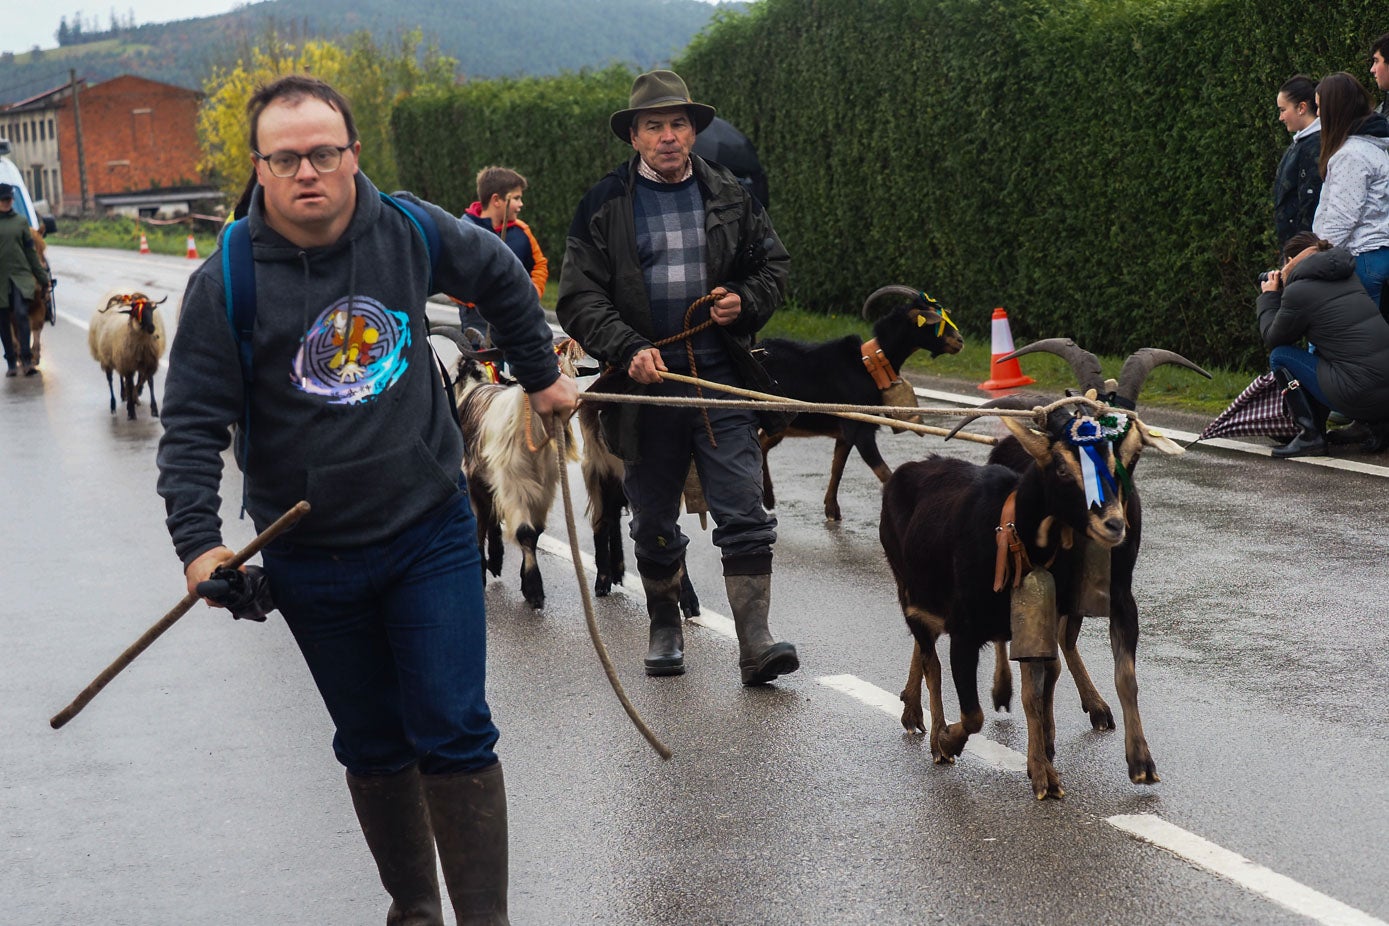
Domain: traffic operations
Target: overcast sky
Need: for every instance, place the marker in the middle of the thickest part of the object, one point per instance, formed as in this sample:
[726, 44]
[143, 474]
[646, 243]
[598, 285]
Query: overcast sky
[26, 23]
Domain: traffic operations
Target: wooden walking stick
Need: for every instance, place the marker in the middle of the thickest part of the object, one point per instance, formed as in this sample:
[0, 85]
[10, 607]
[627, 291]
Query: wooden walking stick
[285, 522]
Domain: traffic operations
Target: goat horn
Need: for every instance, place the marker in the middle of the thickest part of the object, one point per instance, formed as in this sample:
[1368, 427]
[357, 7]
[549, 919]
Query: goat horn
[1083, 363]
[871, 310]
[491, 355]
[1141, 363]
[1021, 401]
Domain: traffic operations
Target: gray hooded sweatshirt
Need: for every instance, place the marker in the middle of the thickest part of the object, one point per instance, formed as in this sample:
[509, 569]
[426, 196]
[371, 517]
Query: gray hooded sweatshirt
[347, 408]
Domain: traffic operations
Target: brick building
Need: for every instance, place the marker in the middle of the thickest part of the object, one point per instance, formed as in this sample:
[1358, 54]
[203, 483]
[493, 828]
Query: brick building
[139, 137]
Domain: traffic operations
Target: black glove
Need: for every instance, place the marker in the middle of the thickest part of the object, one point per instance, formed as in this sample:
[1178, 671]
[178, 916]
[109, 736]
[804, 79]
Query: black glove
[246, 594]
[751, 258]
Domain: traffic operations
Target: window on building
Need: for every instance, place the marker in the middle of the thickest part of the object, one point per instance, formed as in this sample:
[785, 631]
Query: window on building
[36, 183]
[43, 130]
[24, 130]
[51, 132]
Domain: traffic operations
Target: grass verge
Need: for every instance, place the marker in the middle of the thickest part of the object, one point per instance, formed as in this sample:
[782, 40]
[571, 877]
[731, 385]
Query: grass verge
[123, 233]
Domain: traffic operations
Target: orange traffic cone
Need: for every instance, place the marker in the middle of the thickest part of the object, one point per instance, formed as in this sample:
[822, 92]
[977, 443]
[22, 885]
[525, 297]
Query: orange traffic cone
[144, 244]
[1003, 374]
[193, 253]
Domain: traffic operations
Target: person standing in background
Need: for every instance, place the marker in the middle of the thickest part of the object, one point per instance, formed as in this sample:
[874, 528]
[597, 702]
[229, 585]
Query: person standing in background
[1297, 184]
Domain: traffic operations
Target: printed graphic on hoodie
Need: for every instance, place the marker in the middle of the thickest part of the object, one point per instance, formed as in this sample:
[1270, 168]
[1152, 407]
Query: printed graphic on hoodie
[354, 362]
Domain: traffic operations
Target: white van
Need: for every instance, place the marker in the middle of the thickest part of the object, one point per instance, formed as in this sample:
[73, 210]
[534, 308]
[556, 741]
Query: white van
[23, 202]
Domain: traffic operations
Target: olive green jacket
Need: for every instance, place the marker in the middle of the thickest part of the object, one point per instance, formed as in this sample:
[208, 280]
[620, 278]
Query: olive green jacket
[19, 259]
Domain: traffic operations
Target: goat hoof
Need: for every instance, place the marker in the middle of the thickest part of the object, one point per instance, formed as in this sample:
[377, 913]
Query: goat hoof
[1101, 718]
[1143, 772]
[602, 586]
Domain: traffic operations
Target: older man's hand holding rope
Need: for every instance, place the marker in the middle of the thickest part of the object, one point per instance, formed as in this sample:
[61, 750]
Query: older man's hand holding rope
[646, 365]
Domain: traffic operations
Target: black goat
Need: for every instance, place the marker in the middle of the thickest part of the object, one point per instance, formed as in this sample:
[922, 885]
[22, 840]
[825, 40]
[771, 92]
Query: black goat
[840, 372]
[1118, 582]
[944, 527]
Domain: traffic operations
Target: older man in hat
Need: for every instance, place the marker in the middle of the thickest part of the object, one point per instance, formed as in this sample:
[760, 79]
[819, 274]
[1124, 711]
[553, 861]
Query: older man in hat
[656, 234]
[21, 275]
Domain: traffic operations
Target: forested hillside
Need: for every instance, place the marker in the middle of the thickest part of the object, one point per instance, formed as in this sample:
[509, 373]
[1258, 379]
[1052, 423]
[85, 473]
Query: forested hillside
[489, 38]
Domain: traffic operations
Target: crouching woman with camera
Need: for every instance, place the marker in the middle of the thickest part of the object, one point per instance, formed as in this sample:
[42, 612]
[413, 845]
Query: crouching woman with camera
[1317, 296]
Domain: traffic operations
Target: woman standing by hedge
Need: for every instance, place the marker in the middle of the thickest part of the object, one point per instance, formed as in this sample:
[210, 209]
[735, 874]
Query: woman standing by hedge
[1354, 208]
[1297, 185]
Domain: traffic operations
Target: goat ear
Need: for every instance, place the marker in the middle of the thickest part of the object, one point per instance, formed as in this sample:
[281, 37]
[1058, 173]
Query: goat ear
[1034, 442]
[1142, 436]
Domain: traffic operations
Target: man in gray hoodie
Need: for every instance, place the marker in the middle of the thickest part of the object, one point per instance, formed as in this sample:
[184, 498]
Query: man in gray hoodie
[381, 582]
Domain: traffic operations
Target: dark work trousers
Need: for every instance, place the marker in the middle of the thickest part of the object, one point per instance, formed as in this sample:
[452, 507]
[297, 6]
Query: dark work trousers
[19, 312]
[731, 475]
[394, 634]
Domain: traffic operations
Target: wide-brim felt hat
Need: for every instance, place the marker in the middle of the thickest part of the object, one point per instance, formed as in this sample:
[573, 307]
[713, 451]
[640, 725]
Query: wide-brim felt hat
[659, 90]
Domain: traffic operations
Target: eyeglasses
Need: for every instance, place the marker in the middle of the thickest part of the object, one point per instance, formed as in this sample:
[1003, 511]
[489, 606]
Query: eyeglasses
[325, 159]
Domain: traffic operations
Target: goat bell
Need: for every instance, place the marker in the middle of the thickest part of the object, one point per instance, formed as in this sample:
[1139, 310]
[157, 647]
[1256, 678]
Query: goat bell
[1034, 618]
[901, 395]
[1092, 596]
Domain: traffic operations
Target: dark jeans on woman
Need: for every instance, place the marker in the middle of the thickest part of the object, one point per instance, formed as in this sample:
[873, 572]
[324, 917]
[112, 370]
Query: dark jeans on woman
[394, 635]
[18, 312]
[1303, 367]
[730, 474]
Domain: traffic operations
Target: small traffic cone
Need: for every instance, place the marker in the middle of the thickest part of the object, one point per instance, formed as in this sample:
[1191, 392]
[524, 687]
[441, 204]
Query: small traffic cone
[144, 244]
[193, 255]
[1003, 374]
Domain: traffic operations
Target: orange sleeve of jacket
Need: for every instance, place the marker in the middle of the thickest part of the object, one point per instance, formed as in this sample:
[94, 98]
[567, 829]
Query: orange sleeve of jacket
[540, 274]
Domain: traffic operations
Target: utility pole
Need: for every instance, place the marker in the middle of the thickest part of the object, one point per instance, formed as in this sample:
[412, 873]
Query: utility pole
[81, 151]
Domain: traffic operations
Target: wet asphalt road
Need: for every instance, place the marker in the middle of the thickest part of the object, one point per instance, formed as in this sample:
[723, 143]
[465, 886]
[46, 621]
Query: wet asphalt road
[199, 788]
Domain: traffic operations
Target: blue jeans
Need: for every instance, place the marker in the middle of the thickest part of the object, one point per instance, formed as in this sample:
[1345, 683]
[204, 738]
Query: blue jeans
[394, 635]
[1303, 367]
[1372, 268]
[730, 474]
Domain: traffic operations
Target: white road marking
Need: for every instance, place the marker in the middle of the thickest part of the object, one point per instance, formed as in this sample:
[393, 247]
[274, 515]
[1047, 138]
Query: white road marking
[631, 585]
[982, 748]
[1278, 888]
[1152, 829]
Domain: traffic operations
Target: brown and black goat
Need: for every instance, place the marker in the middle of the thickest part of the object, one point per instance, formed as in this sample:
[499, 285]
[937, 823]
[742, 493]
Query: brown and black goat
[1117, 579]
[941, 524]
[509, 463]
[848, 371]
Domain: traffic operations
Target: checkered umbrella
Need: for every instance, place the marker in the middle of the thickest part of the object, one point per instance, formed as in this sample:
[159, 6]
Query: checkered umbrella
[1258, 411]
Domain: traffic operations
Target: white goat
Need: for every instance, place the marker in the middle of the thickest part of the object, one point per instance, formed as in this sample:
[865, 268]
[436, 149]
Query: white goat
[509, 461]
[127, 337]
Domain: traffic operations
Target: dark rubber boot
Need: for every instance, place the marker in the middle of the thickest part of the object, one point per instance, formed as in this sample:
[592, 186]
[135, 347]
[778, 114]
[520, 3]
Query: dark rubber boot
[665, 653]
[468, 810]
[760, 657]
[395, 822]
[1308, 414]
[1378, 439]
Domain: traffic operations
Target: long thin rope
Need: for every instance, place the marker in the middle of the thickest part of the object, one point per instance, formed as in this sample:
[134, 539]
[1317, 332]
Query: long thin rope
[759, 400]
[557, 430]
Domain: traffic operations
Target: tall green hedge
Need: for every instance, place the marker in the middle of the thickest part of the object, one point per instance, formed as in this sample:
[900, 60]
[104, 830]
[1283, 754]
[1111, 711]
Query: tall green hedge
[1101, 168]
[553, 130]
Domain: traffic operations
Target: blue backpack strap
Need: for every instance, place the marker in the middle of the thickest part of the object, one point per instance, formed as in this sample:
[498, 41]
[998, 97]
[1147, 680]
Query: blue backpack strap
[239, 282]
[424, 224]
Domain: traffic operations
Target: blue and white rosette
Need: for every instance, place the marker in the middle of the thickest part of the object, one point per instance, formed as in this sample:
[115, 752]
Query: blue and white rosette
[1089, 436]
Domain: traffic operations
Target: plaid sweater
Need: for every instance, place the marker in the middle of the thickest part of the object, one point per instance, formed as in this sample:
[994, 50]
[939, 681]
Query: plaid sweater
[671, 247]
